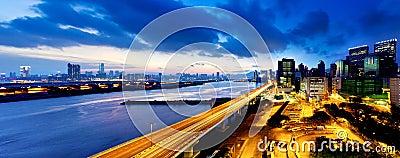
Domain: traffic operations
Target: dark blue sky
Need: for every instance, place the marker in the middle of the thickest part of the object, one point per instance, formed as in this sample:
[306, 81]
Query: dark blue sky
[43, 33]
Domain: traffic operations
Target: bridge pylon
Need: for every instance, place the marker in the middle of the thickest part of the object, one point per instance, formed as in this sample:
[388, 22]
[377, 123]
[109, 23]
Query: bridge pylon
[190, 153]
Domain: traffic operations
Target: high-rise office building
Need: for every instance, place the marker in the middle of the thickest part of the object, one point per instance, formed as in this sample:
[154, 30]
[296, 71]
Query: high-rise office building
[395, 91]
[101, 73]
[301, 69]
[3, 76]
[386, 51]
[101, 68]
[321, 69]
[286, 72]
[315, 87]
[74, 71]
[257, 77]
[111, 74]
[264, 75]
[271, 75]
[371, 66]
[332, 70]
[116, 74]
[306, 72]
[356, 60]
[159, 77]
[342, 68]
[314, 72]
[297, 80]
[25, 71]
[13, 75]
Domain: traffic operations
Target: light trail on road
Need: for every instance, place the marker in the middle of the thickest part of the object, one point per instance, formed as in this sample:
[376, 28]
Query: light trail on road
[174, 139]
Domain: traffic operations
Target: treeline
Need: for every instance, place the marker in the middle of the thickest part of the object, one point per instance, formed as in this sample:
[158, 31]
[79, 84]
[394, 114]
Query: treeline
[380, 126]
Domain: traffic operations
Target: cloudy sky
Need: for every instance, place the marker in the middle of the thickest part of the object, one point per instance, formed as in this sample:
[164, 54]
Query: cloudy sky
[47, 34]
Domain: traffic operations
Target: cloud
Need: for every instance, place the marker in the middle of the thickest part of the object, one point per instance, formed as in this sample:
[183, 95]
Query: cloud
[87, 30]
[262, 18]
[208, 54]
[311, 26]
[42, 56]
[65, 23]
[336, 40]
[105, 23]
[381, 22]
[222, 38]
[93, 54]
[315, 23]
[18, 9]
[88, 10]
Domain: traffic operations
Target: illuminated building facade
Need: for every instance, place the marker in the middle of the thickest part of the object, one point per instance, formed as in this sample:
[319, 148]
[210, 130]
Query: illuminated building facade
[286, 72]
[74, 71]
[25, 71]
[356, 61]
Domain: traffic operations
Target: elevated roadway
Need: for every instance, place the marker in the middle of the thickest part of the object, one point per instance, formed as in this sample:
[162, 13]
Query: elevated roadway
[177, 138]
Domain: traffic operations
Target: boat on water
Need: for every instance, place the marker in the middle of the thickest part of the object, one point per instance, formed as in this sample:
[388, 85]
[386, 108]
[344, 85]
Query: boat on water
[214, 102]
[168, 102]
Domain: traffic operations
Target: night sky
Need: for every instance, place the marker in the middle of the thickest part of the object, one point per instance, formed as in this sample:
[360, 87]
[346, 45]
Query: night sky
[49, 34]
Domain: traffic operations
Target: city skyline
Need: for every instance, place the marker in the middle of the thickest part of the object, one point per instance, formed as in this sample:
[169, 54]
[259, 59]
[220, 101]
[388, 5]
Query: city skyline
[291, 30]
[365, 49]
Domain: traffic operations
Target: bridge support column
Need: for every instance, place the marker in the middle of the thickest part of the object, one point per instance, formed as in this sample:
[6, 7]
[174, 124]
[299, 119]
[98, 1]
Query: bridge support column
[239, 112]
[223, 125]
[190, 153]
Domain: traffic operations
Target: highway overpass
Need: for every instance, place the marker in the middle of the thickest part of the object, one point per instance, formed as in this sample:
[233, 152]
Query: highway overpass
[182, 136]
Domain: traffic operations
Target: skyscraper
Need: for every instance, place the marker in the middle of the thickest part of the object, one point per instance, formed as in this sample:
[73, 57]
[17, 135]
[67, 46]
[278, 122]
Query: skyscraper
[25, 71]
[314, 72]
[332, 70]
[101, 73]
[3, 76]
[101, 68]
[341, 68]
[74, 71]
[256, 76]
[321, 69]
[286, 72]
[301, 69]
[111, 74]
[386, 51]
[297, 80]
[356, 60]
[271, 75]
[306, 72]
[395, 91]
[13, 75]
[371, 66]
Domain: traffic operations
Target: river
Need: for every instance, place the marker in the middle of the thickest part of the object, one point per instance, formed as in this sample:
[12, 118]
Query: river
[80, 126]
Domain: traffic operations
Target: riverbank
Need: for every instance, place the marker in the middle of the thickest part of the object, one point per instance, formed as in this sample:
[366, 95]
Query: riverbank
[24, 92]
